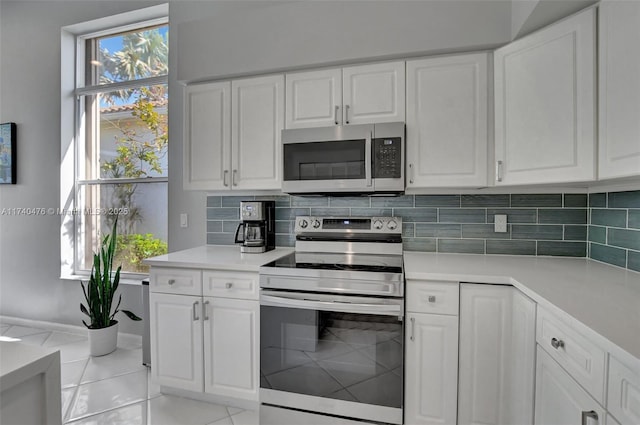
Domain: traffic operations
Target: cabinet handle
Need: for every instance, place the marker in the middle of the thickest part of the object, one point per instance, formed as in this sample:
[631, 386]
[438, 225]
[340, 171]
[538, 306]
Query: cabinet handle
[499, 171]
[557, 343]
[233, 178]
[171, 281]
[590, 414]
[335, 115]
[346, 114]
[195, 311]
[228, 285]
[432, 298]
[204, 310]
[413, 328]
[411, 173]
[224, 178]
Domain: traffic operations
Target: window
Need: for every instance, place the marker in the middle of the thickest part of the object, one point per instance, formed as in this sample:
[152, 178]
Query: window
[120, 144]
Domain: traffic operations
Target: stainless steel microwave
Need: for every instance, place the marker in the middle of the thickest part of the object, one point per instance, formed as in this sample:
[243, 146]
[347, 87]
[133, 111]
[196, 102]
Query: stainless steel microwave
[349, 159]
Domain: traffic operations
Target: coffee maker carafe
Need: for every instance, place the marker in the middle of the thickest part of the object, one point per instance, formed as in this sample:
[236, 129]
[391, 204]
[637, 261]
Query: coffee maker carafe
[256, 232]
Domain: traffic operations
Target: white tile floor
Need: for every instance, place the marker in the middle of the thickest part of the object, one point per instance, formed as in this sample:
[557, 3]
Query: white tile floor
[116, 389]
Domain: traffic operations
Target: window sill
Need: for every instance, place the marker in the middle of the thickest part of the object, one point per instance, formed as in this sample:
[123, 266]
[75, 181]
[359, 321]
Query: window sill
[123, 281]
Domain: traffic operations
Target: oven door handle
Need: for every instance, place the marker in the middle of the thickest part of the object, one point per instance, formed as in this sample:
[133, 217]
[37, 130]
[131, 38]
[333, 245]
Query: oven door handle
[345, 307]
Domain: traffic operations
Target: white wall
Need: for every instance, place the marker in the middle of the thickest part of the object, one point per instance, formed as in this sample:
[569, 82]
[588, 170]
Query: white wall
[283, 35]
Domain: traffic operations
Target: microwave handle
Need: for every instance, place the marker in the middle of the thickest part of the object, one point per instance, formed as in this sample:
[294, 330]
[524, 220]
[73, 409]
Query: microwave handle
[369, 160]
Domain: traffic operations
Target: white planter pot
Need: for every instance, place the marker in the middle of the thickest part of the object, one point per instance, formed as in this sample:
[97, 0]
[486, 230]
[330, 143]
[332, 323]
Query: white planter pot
[103, 341]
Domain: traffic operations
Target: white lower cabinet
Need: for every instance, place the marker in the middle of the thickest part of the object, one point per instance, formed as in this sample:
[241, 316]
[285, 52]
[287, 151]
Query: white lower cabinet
[176, 340]
[431, 343]
[206, 343]
[497, 355]
[231, 347]
[560, 400]
[432, 369]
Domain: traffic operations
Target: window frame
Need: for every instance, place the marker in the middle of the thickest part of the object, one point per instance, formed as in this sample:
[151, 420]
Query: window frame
[74, 93]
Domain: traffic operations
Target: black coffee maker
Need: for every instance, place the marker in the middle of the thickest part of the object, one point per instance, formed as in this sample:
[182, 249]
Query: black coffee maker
[257, 231]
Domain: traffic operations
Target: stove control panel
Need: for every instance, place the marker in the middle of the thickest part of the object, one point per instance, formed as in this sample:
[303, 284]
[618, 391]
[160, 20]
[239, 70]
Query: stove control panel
[388, 225]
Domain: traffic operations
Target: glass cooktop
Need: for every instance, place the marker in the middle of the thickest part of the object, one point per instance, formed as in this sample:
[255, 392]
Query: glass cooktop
[333, 261]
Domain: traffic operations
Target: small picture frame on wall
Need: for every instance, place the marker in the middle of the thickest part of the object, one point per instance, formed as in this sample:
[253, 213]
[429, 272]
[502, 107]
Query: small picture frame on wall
[8, 153]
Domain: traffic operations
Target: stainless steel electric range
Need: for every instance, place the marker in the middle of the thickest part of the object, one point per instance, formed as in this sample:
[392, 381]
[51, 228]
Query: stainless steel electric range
[331, 320]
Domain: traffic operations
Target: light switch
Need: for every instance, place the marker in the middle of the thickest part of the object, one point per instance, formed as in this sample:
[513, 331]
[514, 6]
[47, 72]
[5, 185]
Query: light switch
[184, 220]
[500, 223]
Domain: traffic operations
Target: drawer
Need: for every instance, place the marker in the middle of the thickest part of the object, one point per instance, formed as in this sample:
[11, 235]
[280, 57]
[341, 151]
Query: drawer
[175, 281]
[583, 359]
[230, 285]
[433, 297]
[624, 391]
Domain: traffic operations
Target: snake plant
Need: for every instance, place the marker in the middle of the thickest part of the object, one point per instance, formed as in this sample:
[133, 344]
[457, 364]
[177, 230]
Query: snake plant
[101, 288]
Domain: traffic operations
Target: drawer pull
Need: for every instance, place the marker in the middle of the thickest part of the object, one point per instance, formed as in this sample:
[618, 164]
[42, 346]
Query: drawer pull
[557, 343]
[171, 281]
[586, 415]
[195, 311]
[228, 285]
[204, 310]
[413, 328]
[432, 298]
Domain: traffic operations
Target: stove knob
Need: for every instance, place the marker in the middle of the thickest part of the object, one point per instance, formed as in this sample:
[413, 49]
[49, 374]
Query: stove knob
[303, 223]
[391, 225]
[377, 225]
[315, 224]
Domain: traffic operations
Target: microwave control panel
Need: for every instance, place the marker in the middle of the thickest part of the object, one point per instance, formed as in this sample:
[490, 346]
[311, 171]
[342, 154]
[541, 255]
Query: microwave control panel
[387, 159]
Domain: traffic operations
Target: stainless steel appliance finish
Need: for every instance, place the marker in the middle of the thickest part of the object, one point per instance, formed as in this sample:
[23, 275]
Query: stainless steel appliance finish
[362, 159]
[256, 232]
[331, 320]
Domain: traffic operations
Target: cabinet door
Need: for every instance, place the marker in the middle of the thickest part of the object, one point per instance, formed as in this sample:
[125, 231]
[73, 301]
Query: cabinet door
[447, 121]
[176, 341]
[373, 93]
[207, 136]
[559, 399]
[497, 355]
[545, 104]
[231, 347]
[432, 369]
[257, 120]
[314, 98]
[619, 60]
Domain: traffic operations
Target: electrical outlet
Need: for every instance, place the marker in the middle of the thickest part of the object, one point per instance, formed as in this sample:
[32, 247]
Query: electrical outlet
[500, 223]
[184, 220]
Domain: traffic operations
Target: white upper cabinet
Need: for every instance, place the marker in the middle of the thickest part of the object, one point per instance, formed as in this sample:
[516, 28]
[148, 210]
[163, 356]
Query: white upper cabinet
[232, 134]
[207, 136]
[545, 104]
[373, 93]
[355, 95]
[619, 78]
[256, 121]
[447, 121]
[314, 98]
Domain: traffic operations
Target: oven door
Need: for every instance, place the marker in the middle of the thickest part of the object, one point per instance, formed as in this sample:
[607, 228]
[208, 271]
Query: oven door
[327, 159]
[333, 354]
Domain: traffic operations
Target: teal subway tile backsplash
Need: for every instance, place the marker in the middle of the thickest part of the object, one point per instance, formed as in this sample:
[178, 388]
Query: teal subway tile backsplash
[629, 199]
[603, 226]
[614, 228]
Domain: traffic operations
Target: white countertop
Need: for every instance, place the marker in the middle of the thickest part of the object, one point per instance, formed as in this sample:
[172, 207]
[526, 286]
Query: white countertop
[604, 298]
[219, 257]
